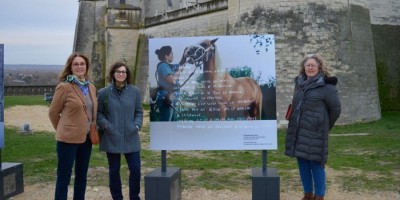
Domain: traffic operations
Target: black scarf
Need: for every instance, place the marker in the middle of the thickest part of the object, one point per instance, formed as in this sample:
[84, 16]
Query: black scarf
[305, 82]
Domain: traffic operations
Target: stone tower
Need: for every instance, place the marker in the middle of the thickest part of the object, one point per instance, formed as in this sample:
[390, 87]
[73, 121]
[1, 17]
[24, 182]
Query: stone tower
[108, 32]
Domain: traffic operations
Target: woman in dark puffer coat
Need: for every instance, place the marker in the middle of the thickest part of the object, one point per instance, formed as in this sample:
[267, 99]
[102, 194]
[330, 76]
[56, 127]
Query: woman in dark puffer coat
[316, 107]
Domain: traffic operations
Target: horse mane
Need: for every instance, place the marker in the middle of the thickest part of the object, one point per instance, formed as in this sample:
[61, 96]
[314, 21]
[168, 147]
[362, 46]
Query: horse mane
[217, 58]
[244, 92]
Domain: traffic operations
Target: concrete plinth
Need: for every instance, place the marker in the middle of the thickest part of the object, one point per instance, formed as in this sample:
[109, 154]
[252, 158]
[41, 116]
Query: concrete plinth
[11, 180]
[163, 185]
[265, 185]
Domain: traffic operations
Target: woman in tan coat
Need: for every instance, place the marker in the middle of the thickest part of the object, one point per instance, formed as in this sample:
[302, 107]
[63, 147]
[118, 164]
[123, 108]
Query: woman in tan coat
[72, 110]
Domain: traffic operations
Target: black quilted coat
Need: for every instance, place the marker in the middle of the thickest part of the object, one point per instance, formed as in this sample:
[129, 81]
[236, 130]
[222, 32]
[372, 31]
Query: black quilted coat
[315, 110]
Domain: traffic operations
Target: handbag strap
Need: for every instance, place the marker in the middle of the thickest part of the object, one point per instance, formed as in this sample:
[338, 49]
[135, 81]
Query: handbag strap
[106, 103]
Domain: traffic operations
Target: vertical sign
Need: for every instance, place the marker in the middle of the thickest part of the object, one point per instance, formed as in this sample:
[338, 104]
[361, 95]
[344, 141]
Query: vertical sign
[1, 96]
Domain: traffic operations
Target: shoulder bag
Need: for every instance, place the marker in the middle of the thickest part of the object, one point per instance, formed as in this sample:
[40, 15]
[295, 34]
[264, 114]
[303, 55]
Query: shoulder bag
[100, 130]
[289, 112]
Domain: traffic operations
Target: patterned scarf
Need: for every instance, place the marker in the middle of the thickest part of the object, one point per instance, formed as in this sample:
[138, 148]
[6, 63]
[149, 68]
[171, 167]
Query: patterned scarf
[83, 85]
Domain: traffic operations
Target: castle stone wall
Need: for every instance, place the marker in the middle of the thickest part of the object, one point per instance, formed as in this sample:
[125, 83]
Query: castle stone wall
[141, 72]
[359, 88]
[176, 15]
[385, 20]
[89, 37]
[337, 30]
[128, 4]
[158, 7]
[384, 12]
[121, 46]
[209, 24]
[86, 26]
[387, 51]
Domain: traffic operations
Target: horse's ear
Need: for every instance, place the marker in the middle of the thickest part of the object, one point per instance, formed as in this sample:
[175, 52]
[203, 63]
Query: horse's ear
[185, 52]
[214, 40]
[184, 55]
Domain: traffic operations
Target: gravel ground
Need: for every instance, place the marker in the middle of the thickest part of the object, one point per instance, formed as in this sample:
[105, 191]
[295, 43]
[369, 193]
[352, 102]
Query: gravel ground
[46, 191]
[37, 117]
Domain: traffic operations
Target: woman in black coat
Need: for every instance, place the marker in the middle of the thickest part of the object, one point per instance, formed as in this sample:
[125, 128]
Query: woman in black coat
[316, 107]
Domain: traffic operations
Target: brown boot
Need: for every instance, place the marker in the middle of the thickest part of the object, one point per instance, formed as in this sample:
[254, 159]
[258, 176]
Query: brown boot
[308, 196]
[318, 198]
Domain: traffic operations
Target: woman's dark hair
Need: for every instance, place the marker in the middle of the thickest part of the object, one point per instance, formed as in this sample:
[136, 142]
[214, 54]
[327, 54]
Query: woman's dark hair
[68, 66]
[114, 68]
[163, 51]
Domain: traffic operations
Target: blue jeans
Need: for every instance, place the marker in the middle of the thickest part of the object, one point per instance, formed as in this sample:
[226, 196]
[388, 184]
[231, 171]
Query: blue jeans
[114, 165]
[67, 155]
[312, 176]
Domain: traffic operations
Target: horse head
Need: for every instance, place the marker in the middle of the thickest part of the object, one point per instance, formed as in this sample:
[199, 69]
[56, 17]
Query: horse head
[201, 53]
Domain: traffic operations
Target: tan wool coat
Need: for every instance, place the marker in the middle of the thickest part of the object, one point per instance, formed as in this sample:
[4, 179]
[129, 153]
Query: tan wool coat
[68, 115]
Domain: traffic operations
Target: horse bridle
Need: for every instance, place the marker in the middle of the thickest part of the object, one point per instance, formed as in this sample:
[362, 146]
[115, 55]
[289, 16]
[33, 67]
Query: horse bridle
[198, 62]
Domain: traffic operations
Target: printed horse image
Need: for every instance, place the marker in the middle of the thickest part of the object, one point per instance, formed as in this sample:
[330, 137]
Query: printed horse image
[229, 93]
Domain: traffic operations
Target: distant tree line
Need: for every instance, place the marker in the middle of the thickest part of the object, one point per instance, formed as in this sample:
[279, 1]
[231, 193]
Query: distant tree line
[27, 77]
[37, 78]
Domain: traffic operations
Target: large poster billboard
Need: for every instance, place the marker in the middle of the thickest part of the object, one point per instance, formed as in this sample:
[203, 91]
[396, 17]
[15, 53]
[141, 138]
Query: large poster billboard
[213, 93]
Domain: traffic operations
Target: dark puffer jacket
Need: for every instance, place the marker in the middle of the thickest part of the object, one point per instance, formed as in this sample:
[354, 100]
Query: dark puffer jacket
[315, 111]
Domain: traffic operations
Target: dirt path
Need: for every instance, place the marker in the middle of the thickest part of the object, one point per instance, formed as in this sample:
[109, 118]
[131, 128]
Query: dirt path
[46, 192]
[38, 119]
[36, 116]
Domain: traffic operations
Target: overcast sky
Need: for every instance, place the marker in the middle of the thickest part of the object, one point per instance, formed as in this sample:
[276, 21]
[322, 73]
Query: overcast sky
[37, 31]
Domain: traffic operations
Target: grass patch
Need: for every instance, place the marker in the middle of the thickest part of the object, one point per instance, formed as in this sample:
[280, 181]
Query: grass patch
[369, 162]
[10, 101]
[36, 152]
[372, 161]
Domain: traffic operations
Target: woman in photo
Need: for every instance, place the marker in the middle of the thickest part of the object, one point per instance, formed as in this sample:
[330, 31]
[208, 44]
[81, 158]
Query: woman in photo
[167, 75]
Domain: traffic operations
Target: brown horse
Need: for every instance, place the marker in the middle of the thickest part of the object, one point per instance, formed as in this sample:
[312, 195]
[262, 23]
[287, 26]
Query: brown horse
[221, 89]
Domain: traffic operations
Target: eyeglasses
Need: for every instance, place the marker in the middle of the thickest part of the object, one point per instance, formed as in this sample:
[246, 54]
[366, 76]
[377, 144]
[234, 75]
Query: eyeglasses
[311, 66]
[120, 72]
[78, 64]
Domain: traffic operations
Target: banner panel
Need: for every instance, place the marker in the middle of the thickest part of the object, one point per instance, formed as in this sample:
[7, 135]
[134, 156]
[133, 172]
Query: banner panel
[1, 96]
[213, 93]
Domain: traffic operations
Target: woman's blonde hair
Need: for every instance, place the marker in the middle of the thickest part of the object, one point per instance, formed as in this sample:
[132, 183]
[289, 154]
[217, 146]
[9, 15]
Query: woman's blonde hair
[322, 67]
[68, 65]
